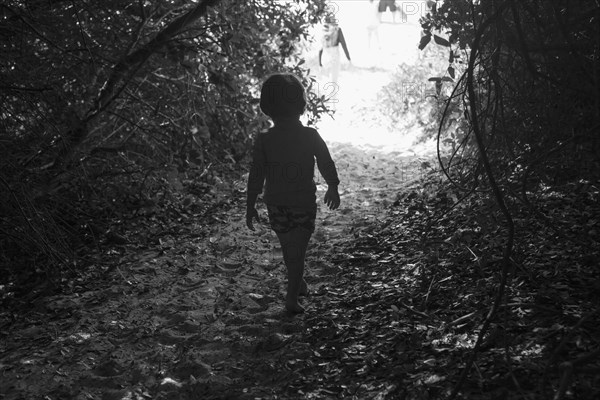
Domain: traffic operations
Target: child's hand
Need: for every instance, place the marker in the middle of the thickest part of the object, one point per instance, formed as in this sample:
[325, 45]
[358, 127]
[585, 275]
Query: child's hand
[251, 213]
[332, 198]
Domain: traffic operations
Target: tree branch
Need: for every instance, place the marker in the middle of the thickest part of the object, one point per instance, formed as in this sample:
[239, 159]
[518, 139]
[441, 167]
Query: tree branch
[121, 75]
[495, 190]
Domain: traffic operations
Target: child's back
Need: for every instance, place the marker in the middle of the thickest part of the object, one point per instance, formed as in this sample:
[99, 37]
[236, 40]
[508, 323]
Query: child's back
[284, 156]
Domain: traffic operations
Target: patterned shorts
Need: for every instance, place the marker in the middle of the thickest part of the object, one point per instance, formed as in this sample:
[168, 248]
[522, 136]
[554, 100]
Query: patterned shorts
[284, 218]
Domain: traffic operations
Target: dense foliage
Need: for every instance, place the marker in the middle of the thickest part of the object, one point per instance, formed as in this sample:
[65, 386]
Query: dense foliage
[105, 103]
[536, 89]
[522, 126]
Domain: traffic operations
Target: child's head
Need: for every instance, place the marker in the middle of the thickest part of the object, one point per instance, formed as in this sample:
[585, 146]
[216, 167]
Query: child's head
[282, 96]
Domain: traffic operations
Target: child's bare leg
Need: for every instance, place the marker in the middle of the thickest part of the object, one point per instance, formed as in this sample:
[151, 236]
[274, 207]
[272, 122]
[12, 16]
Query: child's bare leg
[294, 244]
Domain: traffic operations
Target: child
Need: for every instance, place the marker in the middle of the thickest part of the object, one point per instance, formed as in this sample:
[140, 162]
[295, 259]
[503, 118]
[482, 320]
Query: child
[283, 160]
[333, 37]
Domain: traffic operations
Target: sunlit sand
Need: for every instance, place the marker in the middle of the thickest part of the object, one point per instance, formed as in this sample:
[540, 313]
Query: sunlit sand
[355, 99]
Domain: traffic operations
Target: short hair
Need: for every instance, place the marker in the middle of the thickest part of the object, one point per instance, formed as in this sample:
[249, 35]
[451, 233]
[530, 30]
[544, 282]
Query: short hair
[282, 95]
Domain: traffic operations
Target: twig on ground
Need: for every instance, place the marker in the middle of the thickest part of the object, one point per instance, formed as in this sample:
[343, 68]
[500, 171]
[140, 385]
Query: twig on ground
[462, 319]
[426, 300]
[412, 310]
[123, 276]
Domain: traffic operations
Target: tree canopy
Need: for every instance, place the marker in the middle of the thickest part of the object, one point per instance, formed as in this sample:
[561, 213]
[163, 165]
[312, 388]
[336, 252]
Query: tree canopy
[534, 71]
[96, 94]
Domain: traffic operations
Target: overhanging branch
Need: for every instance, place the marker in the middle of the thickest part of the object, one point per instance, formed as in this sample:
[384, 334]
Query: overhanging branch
[120, 77]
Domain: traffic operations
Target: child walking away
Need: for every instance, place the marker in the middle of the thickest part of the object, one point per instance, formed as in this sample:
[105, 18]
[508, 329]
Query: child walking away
[333, 37]
[283, 161]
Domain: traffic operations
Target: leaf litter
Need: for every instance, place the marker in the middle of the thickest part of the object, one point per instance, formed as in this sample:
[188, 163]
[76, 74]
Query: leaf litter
[181, 304]
[192, 305]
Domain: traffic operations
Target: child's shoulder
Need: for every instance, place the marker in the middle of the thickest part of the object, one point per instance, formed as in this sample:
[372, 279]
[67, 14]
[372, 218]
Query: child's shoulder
[312, 132]
[299, 128]
[308, 133]
[306, 129]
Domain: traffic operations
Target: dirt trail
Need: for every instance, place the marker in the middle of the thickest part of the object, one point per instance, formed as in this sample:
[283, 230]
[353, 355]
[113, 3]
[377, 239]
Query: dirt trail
[189, 313]
[185, 317]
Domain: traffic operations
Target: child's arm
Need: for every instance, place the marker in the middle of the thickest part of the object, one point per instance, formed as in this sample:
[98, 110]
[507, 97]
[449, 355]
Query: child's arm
[332, 198]
[256, 179]
[329, 172]
[251, 212]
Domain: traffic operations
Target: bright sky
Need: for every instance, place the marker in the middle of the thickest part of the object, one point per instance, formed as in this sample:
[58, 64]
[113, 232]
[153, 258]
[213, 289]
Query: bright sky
[371, 68]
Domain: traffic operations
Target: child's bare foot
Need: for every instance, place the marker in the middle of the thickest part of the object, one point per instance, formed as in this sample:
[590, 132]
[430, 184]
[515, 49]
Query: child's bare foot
[303, 288]
[294, 307]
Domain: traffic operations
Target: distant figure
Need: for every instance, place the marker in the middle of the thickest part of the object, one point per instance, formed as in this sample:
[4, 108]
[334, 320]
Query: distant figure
[283, 162]
[384, 5]
[330, 46]
[373, 21]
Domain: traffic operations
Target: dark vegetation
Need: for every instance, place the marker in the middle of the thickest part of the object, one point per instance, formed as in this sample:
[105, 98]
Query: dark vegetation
[106, 105]
[521, 161]
[113, 109]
